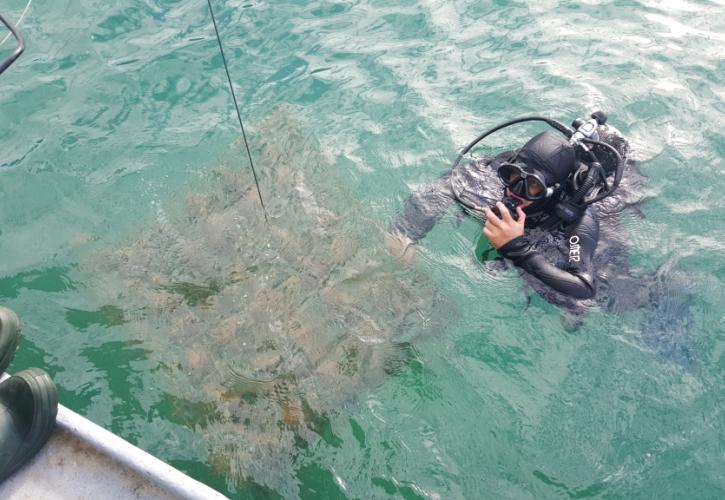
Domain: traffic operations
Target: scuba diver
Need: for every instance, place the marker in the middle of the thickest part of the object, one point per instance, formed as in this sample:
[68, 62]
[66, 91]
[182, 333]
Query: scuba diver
[539, 204]
[552, 209]
[28, 399]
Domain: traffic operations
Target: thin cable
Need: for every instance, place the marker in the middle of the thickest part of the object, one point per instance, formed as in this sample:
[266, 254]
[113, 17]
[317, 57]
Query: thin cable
[19, 21]
[236, 107]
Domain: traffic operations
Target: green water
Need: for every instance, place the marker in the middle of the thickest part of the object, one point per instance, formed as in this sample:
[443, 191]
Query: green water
[118, 111]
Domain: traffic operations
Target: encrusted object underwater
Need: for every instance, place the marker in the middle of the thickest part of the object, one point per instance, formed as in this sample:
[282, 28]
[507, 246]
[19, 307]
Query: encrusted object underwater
[261, 331]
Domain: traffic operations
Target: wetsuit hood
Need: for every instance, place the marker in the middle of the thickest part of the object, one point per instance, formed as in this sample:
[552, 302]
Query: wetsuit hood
[550, 155]
[553, 158]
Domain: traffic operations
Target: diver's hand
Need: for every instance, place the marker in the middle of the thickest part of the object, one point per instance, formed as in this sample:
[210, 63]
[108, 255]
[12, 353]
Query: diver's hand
[500, 231]
[401, 247]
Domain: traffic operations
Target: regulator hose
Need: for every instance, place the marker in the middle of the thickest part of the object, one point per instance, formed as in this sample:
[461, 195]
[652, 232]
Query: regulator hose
[587, 184]
[617, 173]
[552, 123]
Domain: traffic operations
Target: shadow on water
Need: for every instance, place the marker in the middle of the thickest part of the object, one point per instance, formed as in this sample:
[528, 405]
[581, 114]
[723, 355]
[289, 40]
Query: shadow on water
[118, 362]
[50, 279]
[195, 295]
[590, 491]
[668, 321]
[664, 300]
[106, 316]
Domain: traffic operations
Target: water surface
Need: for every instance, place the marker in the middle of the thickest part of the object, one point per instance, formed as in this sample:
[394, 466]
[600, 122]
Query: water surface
[131, 233]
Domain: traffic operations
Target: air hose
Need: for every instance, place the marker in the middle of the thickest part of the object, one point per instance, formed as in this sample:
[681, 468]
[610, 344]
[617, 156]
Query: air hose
[552, 123]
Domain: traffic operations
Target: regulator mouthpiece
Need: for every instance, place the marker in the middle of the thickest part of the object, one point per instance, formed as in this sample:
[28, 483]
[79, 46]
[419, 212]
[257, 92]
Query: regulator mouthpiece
[510, 204]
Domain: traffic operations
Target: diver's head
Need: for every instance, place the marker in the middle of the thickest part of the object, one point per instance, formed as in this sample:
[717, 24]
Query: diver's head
[538, 171]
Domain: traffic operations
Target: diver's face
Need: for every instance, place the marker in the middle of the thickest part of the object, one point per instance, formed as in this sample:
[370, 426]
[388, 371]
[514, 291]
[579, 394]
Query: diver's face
[523, 203]
[521, 184]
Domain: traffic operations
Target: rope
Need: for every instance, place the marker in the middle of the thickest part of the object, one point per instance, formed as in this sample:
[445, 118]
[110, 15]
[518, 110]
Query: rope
[236, 107]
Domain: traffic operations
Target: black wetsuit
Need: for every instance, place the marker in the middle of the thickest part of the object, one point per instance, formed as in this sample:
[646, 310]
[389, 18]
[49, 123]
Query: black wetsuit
[561, 260]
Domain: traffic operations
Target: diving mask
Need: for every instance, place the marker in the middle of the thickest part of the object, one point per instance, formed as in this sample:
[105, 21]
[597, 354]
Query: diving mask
[527, 185]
